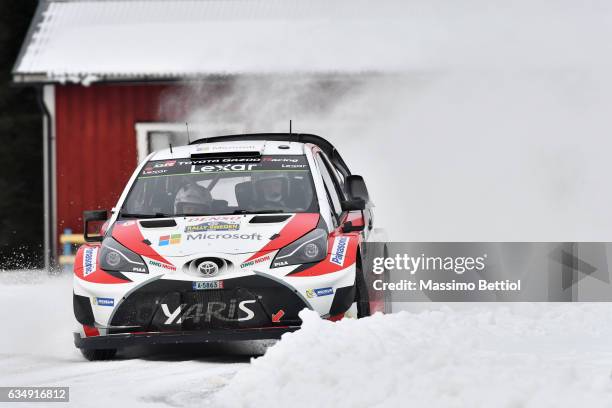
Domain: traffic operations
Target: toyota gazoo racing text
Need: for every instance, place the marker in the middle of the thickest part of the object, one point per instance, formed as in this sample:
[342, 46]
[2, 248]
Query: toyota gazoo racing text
[225, 239]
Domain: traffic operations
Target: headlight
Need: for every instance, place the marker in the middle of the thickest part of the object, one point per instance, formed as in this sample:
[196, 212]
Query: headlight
[115, 257]
[312, 247]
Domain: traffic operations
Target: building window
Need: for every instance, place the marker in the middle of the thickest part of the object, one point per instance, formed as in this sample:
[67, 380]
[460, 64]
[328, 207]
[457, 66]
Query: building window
[152, 136]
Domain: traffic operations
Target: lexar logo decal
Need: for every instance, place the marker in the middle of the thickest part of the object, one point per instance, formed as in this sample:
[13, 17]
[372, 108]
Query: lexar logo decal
[338, 253]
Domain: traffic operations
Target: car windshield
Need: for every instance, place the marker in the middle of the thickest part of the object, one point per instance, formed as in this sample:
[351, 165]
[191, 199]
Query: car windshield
[213, 186]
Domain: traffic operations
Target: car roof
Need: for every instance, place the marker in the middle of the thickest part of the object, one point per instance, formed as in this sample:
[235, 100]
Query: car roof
[264, 143]
[260, 146]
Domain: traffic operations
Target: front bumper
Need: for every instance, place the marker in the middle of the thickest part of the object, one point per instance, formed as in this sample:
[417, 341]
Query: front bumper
[113, 341]
[166, 304]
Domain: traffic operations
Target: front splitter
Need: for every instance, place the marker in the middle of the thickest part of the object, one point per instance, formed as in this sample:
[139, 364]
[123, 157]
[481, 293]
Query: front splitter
[113, 341]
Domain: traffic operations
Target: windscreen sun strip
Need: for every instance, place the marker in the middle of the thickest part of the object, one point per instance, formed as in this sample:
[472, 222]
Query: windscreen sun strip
[225, 164]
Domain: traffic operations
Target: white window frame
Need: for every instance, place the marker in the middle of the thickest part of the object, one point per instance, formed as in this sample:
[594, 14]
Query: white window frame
[196, 130]
[144, 128]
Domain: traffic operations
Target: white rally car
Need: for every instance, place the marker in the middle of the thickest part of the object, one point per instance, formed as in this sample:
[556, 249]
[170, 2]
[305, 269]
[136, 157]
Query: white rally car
[227, 238]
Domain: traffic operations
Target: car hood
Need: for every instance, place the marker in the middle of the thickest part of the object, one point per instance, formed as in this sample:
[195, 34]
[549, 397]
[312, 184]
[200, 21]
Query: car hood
[231, 234]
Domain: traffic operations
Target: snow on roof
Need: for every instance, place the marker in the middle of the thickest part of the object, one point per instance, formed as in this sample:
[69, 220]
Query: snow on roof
[89, 40]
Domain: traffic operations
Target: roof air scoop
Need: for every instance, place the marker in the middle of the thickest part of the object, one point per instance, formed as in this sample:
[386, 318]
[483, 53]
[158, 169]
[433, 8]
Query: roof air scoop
[253, 155]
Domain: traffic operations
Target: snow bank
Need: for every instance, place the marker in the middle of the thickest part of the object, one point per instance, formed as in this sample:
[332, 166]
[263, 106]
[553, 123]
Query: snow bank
[520, 355]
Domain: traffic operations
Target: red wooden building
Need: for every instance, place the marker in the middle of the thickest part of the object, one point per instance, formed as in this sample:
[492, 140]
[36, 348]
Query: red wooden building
[118, 79]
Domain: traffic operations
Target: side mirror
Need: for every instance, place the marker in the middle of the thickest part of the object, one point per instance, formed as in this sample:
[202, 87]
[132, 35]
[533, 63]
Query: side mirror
[349, 227]
[356, 188]
[90, 216]
[353, 205]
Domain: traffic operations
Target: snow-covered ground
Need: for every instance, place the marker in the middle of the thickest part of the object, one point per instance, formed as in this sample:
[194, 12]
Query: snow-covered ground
[503, 355]
[36, 349]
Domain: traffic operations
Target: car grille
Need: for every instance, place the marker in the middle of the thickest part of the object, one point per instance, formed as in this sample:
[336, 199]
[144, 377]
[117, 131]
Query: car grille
[205, 309]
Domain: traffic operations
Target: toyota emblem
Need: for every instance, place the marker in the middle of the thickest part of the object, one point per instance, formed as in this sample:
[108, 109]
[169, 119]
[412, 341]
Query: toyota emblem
[208, 268]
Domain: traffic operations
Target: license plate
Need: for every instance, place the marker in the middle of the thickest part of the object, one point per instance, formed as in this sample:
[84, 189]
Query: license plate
[208, 285]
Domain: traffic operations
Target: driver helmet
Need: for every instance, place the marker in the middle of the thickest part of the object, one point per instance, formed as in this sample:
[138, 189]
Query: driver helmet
[192, 199]
[271, 187]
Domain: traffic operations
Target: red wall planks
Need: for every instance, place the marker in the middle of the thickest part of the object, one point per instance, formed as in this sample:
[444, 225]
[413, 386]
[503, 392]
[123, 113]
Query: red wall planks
[96, 143]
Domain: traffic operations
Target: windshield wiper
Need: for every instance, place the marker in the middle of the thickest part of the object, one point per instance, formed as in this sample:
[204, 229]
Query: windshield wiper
[156, 215]
[258, 212]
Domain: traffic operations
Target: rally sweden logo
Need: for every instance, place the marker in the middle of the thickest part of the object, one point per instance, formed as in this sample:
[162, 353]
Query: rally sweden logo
[213, 226]
[338, 252]
[169, 239]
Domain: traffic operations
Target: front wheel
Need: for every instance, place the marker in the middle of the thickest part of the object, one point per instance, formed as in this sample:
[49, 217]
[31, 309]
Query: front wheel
[99, 354]
[361, 294]
[370, 302]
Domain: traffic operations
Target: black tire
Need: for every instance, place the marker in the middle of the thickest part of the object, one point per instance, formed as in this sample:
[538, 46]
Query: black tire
[99, 354]
[361, 294]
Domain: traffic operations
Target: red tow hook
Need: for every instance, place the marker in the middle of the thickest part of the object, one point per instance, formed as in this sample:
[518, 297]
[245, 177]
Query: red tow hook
[277, 316]
[90, 331]
[336, 317]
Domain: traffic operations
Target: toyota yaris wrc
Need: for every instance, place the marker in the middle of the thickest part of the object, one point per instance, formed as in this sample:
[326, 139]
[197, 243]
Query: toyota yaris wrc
[227, 238]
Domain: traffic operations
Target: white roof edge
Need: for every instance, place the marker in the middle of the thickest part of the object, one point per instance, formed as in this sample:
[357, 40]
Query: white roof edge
[44, 78]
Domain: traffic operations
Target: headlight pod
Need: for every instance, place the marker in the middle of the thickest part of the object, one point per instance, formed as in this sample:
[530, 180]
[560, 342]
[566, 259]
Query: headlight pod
[115, 257]
[312, 247]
